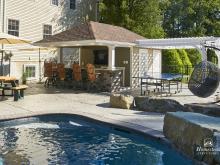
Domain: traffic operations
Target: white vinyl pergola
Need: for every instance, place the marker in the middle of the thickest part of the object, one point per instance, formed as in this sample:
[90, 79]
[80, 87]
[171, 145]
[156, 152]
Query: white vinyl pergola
[200, 43]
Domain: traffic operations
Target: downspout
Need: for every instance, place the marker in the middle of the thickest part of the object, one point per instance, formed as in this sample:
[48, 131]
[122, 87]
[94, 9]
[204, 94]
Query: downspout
[3, 16]
[3, 27]
[97, 11]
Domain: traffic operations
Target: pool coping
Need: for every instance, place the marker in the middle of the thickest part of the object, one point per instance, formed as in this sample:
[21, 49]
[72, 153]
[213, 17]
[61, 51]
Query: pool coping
[131, 127]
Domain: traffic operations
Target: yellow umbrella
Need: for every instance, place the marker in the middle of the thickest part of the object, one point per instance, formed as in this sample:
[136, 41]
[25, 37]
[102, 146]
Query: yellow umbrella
[10, 39]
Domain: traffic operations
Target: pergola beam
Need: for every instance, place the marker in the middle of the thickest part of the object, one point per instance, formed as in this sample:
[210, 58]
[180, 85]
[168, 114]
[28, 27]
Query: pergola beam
[199, 43]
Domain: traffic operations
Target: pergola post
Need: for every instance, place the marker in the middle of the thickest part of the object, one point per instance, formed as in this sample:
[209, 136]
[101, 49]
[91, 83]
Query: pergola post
[202, 50]
[111, 57]
[218, 56]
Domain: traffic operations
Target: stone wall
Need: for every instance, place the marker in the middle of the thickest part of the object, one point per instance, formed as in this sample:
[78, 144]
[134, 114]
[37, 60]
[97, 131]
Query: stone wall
[110, 80]
[190, 132]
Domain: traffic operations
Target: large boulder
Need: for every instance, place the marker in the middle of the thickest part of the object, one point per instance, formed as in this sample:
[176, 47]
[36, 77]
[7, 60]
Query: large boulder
[206, 108]
[194, 133]
[121, 101]
[153, 104]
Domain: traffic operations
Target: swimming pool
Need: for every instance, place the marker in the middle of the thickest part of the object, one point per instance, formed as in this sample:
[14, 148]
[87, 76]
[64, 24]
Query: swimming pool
[63, 139]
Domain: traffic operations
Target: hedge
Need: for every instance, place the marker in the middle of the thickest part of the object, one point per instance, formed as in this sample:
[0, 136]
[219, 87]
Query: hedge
[187, 65]
[194, 56]
[171, 62]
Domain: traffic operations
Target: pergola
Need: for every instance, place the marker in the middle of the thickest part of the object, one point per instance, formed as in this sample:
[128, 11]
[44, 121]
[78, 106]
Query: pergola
[200, 43]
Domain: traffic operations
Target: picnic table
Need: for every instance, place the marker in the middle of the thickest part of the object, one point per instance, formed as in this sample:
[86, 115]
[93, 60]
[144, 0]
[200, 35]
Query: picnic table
[11, 84]
[6, 83]
[160, 80]
[6, 79]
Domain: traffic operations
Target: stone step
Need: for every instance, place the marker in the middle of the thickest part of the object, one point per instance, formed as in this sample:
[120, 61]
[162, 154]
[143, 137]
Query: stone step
[193, 133]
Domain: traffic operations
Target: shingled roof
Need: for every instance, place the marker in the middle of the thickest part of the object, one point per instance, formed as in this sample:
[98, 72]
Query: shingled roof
[94, 31]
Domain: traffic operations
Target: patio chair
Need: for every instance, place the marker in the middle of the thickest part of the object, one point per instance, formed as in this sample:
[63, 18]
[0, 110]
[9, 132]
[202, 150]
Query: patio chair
[77, 76]
[49, 70]
[93, 82]
[61, 74]
[204, 79]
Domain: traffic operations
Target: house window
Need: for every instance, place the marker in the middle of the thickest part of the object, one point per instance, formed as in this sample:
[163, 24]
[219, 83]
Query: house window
[73, 4]
[30, 71]
[55, 2]
[13, 27]
[47, 31]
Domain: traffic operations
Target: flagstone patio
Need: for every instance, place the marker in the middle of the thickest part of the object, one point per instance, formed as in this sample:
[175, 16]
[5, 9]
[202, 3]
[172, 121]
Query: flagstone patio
[39, 100]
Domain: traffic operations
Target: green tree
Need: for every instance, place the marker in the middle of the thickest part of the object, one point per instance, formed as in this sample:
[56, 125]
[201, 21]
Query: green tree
[171, 61]
[141, 16]
[183, 18]
[194, 56]
[187, 65]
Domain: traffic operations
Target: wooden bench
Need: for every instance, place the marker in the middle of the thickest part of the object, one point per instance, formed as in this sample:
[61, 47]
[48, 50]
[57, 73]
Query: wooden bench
[19, 91]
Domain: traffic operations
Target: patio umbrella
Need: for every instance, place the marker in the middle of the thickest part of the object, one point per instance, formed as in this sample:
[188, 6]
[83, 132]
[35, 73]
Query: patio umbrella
[39, 49]
[10, 39]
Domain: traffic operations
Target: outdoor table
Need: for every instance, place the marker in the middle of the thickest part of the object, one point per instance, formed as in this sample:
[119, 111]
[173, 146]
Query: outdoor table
[160, 79]
[6, 79]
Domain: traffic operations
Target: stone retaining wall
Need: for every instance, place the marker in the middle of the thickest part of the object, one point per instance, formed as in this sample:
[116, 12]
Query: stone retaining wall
[190, 132]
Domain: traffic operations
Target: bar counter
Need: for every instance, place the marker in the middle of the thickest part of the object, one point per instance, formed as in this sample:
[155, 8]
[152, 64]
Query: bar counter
[111, 79]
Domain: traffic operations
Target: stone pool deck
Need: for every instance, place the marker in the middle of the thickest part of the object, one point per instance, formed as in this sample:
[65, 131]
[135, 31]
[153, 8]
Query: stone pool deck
[39, 100]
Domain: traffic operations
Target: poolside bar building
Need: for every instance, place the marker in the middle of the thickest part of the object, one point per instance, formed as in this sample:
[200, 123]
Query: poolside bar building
[113, 51]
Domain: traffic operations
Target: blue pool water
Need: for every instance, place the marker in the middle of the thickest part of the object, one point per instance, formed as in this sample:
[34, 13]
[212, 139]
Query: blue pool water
[69, 140]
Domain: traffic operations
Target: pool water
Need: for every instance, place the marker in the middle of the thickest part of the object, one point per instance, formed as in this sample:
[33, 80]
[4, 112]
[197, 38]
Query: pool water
[69, 140]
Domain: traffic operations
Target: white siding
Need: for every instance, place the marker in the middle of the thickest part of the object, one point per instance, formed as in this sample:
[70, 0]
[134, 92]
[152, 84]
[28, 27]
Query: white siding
[32, 15]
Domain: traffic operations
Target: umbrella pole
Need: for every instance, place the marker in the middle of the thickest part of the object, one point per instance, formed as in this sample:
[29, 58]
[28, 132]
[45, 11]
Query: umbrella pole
[39, 66]
[2, 61]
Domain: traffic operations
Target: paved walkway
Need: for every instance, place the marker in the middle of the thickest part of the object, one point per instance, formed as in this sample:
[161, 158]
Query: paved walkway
[40, 101]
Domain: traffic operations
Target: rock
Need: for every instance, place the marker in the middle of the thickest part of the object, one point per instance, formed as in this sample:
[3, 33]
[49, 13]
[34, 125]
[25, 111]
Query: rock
[151, 104]
[190, 132]
[210, 109]
[121, 101]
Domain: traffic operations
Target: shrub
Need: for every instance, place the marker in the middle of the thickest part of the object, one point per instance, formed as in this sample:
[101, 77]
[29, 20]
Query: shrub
[194, 56]
[211, 56]
[171, 62]
[187, 65]
[24, 77]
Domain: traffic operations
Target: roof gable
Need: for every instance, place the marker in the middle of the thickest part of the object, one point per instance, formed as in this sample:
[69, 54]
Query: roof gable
[108, 32]
[94, 31]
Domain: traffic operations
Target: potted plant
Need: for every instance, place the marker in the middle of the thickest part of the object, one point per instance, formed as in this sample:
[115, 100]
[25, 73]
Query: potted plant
[24, 78]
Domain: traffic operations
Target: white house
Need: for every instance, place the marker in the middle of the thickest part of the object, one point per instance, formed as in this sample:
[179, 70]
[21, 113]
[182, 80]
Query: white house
[35, 20]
